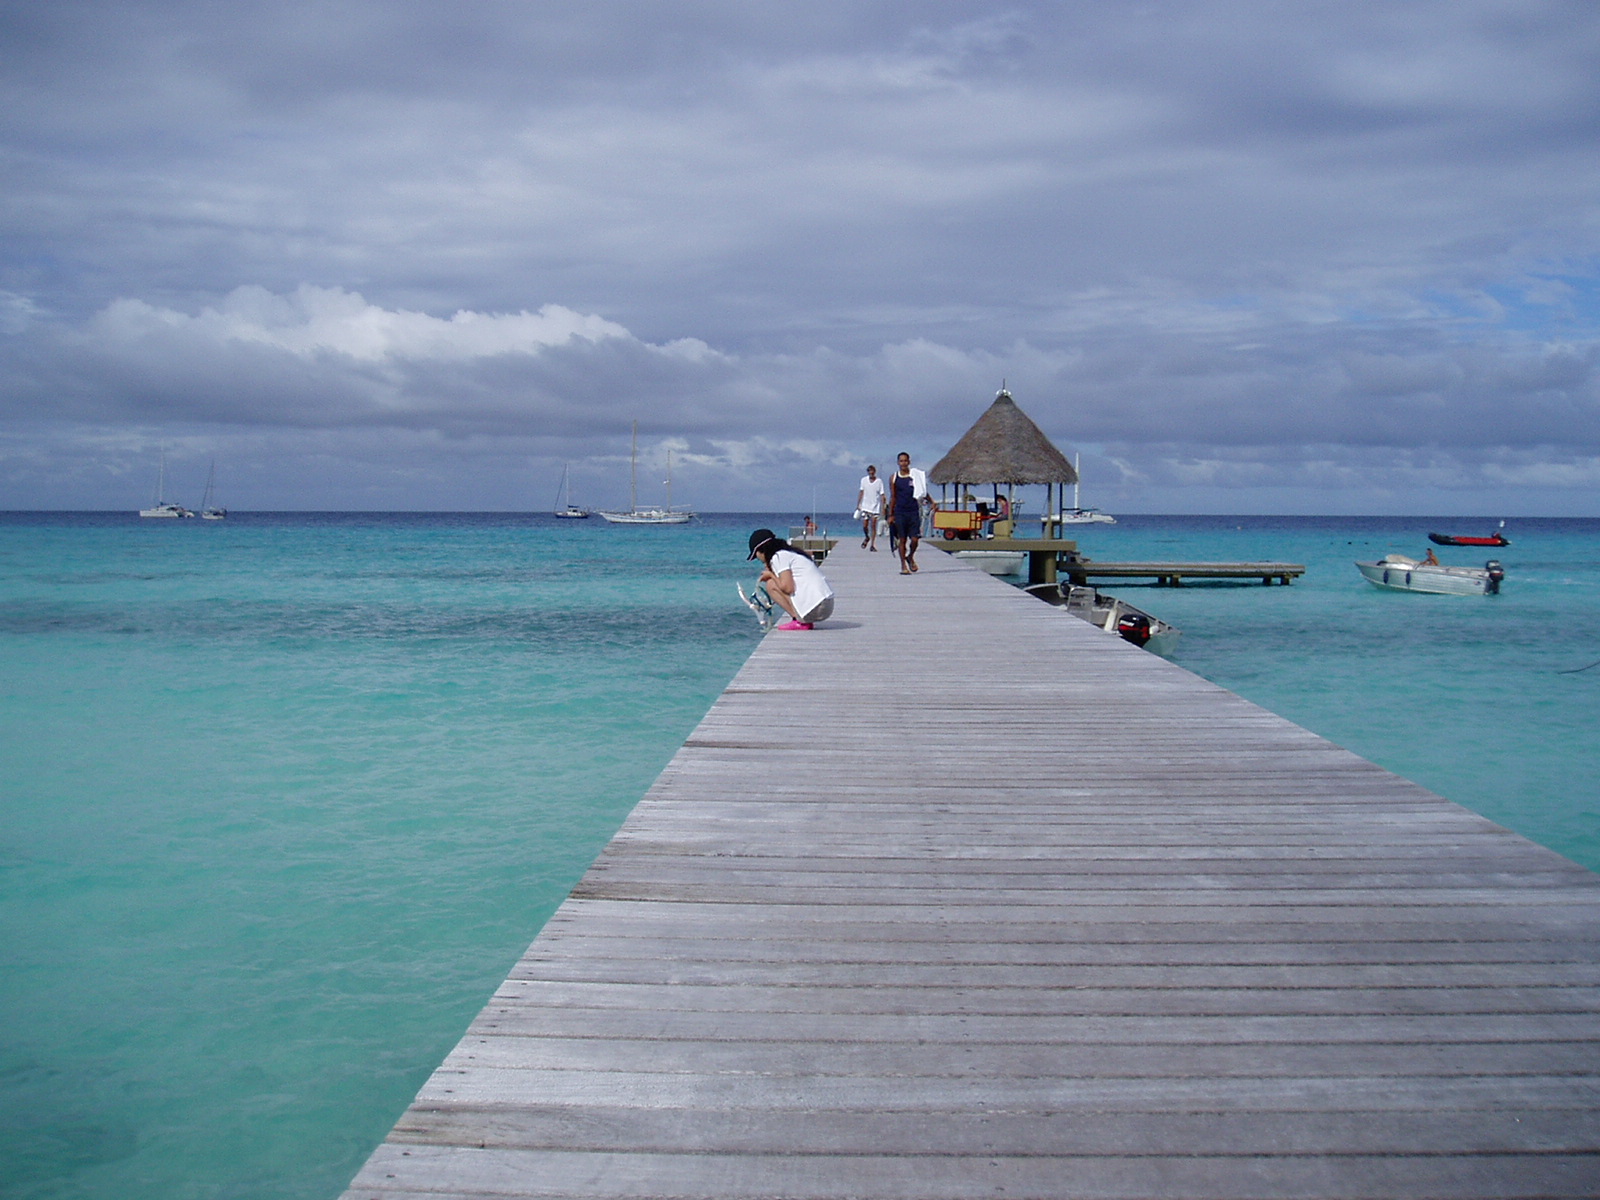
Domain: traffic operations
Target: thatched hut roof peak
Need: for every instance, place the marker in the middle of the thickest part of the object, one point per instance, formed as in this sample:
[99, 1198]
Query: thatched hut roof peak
[1003, 446]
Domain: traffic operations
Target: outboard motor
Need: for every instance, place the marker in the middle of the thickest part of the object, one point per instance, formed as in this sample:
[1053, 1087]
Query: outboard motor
[1134, 627]
[1496, 574]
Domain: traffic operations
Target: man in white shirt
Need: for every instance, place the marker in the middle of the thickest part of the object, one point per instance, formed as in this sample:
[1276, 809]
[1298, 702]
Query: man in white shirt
[869, 506]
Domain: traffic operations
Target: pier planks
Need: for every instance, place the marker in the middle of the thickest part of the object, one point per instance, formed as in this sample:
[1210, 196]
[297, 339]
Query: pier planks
[957, 895]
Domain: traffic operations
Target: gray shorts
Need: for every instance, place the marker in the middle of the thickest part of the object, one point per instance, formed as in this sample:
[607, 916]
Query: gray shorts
[820, 613]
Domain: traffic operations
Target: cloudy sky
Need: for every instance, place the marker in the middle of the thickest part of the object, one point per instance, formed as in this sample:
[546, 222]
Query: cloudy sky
[1244, 256]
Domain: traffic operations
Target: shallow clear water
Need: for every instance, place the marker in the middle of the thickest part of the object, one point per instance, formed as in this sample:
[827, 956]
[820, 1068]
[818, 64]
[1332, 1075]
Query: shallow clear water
[284, 797]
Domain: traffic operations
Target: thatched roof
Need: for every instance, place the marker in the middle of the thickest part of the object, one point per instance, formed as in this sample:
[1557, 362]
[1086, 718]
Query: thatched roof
[1003, 446]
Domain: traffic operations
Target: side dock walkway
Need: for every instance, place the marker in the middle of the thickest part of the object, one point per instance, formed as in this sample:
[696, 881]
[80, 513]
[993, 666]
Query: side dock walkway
[958, 896]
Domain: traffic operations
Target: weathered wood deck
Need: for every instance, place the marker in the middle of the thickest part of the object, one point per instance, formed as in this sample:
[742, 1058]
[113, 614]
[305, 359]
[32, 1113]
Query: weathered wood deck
[958, 896]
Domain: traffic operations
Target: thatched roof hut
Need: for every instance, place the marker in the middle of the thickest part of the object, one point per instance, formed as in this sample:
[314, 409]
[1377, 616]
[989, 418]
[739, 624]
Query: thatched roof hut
[1003, 446]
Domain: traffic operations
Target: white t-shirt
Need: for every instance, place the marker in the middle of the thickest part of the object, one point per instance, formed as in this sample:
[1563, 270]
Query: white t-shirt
[810, 586]
[871, 496]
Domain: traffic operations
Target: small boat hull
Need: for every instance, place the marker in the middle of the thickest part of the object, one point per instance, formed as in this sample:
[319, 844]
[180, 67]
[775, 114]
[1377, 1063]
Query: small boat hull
[1401, 574]
[1083, 516]
[995, 562]
[1446, 539]
[645, 516]
[1114, 616]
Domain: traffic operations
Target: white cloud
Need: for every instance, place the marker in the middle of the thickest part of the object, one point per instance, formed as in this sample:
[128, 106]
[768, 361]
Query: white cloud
[313, 321]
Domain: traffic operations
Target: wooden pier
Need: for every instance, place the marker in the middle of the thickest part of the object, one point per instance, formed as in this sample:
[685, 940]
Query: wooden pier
[958, 896]
[1172, 574]
[1049, 558]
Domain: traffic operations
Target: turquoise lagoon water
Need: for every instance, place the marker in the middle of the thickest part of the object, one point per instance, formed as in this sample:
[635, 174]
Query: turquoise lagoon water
[284, 797]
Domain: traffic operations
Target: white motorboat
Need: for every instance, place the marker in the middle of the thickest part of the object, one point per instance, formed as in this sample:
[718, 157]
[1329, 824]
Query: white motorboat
[565, 508]
[1400, 573]
[646, 516]
[1110, 614]
[162, 507]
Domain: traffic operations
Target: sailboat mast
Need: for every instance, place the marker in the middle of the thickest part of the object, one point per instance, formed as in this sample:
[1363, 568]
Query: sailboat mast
[633, 471]
[669, 478]
[1075, 459]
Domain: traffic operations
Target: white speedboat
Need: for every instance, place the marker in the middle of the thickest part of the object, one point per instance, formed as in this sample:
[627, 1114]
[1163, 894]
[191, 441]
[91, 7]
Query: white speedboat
[634, 515]
[162, 507]
[1405, 574]
[1115, 616]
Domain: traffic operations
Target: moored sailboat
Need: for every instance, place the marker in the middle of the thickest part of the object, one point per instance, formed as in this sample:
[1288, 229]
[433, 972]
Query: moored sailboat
[162, 507]
[1077, 515]
[565, 508]
[209, 511]
[646, 516]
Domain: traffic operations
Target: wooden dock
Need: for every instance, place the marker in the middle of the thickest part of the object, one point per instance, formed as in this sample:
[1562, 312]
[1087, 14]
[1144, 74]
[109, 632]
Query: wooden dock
[1050, 557]
[1172, 574]
[958, 896]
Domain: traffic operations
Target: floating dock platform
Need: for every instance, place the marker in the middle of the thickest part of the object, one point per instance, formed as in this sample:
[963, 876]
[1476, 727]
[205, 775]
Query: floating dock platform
[1050, 558]
[1172, 574]
[957, 896]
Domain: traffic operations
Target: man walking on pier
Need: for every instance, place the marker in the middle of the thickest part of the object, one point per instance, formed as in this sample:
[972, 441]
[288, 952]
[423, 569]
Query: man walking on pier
[909, 488]
[869, 506]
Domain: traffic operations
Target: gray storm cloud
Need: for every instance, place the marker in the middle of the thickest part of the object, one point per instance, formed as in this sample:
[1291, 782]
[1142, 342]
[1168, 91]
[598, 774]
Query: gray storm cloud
[1243, 256]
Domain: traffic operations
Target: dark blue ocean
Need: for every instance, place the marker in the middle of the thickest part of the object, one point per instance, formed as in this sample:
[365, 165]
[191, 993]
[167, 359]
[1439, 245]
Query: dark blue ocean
[285, 796]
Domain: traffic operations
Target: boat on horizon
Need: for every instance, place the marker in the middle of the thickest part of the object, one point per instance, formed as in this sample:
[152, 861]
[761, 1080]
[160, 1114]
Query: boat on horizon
[1078, 515]
[1401, 573]
[646, 516]
[1497, 538]
[162, 507]
[565, 508]
[208, 510]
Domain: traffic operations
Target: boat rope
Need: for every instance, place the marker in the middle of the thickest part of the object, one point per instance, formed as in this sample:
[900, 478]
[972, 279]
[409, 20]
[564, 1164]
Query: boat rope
[1575, 670]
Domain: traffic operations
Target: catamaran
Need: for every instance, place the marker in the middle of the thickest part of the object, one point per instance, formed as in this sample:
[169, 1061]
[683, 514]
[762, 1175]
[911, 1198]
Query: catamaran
[646, 516]
[162, 506]
[1082, 516]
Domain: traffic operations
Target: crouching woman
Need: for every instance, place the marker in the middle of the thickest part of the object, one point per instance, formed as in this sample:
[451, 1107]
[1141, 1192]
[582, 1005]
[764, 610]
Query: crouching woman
[793, 579]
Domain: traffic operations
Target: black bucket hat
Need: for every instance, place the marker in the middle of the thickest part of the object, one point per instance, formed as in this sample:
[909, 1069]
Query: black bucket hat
[759, 539]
